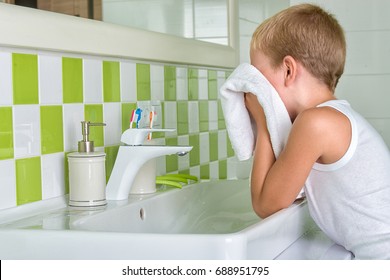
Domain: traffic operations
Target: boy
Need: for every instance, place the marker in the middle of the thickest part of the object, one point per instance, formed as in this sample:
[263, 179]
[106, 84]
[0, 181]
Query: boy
[342, 161]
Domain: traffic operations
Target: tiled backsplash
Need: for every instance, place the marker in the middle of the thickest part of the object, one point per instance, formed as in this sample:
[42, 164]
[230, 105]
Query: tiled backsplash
[45, 95]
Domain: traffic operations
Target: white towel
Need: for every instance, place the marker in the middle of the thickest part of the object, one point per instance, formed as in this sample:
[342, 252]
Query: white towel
[246, 78]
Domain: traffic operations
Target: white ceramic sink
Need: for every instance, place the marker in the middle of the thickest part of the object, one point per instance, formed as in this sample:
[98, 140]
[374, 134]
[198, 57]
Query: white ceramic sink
[209, 220]
[207, 208]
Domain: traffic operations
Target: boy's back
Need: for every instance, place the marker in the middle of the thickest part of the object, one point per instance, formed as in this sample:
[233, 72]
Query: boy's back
[350, 199]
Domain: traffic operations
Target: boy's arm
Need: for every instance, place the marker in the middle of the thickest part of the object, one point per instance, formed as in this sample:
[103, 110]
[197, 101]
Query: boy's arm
[276, 183]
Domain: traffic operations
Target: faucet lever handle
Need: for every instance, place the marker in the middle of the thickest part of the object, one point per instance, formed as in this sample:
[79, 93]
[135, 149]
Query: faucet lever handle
[136, 137]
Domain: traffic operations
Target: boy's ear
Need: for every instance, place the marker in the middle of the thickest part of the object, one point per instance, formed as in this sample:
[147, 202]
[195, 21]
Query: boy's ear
[290, 70]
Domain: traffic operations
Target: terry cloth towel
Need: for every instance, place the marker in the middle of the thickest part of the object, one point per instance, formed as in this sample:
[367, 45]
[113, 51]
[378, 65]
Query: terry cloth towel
[246, 78]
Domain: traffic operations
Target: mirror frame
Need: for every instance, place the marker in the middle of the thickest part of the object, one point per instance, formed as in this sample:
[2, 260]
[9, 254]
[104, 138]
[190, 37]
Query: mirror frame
[28, 28]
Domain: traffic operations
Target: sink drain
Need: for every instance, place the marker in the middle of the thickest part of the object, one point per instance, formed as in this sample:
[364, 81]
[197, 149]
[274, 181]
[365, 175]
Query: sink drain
[142, 213]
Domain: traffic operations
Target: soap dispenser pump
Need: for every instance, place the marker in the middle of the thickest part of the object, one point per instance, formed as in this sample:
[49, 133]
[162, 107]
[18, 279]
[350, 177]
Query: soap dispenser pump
[87, 173]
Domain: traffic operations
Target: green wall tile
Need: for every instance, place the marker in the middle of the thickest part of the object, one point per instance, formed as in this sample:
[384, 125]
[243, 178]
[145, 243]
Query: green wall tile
[213, 141]
[127, 109]
[143, 81]
[52, 140]
[182, 117]
[221, 117]
[66, 172]
[94, 113]
[203, 115]
[111, 153]
[205, 171]
[185, 171]
[230, 151]
[195, 152]
[193, 84]
[28, 180]
[72, 80]
[111, 81]
[171, 161]
[212, 84]
[222, 168]
[25, 78]
[170, 83]
[6, 132]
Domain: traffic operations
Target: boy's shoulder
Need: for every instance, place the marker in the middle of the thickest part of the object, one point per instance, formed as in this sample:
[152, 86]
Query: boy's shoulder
[327, 127]
[322, 120]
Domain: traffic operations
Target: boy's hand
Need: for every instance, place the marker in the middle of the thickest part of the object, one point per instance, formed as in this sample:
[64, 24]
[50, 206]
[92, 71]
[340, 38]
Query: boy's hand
[255, 110]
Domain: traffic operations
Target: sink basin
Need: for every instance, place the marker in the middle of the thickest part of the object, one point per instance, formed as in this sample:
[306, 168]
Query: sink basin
[206, 208]
[208, 220]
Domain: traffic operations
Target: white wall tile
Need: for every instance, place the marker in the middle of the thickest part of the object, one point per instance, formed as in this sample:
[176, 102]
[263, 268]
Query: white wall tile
[27, 130]
[6, 78]
[368, 52]
[214, 170]
[73, 115]
[222, 144]
[113, 128]
[157, 82]
[368, 94]
[193, 116]
[170, 116]
[231, 169]
[93, 81]
[195, 171]
[50, 79]
[357, 15]
[252, 10]
[53, 179]
[203, 84]
[382, 126]
[7, 184]
[128, 82]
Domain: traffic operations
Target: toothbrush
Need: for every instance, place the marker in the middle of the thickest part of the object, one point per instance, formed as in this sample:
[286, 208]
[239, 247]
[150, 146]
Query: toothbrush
[151, 119]
[138, 113]
[132, 118]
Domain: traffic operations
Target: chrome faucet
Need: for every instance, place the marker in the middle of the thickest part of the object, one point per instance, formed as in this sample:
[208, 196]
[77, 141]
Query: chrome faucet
[134, 170]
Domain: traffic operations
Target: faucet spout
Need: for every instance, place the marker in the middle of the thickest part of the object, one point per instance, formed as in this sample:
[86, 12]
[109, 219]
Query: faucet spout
[129, 161]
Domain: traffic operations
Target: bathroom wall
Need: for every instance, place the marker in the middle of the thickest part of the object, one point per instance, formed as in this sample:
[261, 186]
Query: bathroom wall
[44, 96]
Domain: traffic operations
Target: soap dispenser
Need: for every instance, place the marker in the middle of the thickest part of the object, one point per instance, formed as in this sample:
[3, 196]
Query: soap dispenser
[87, 172]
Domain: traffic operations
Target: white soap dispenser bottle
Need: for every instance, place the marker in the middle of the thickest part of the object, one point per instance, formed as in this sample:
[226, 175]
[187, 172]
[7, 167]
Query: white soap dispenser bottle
[87, 172]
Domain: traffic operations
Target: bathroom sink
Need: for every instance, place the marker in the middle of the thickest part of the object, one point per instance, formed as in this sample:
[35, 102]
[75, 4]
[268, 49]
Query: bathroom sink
[206, 208]
[207, 220]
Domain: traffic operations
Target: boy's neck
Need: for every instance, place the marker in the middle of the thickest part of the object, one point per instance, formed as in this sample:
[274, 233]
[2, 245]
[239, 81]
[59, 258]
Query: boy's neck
[310, 97]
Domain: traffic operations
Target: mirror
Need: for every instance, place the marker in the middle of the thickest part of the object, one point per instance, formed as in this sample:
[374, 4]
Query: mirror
[202, 20]
[71, 34]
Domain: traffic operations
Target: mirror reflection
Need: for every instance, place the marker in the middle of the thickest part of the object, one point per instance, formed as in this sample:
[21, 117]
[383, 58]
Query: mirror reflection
[195, 19]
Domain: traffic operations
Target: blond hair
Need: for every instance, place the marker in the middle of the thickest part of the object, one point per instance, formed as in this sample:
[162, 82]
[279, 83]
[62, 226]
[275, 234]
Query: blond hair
[308, 34]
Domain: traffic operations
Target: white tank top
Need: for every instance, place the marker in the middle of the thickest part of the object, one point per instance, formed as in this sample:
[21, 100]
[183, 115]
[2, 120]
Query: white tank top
[350, 199]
